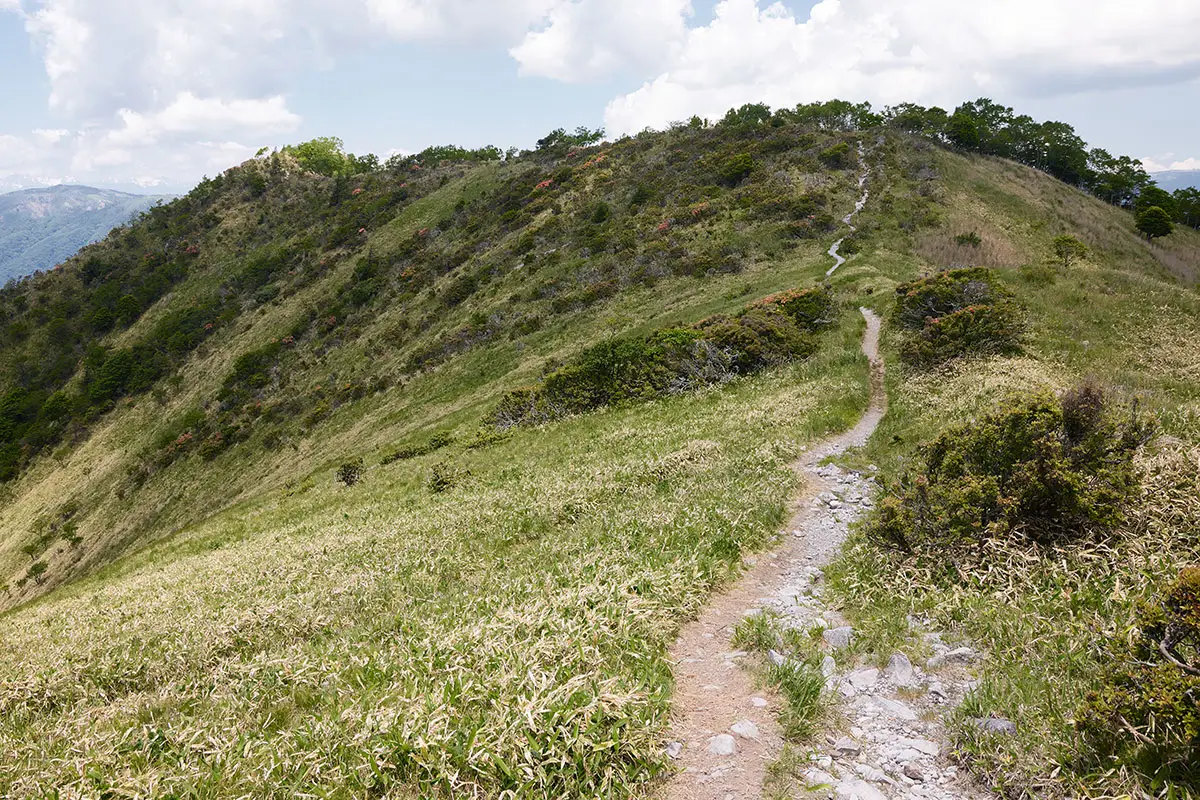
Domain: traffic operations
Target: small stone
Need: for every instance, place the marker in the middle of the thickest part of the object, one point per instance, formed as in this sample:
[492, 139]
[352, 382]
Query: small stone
[828, 666]
[872, 774]
[745, 729]
[722, 745]
[858, 790]
[893, 708]
[758, 702]
[922, 745]
[937, 691]
[961, 655]
[817, 777]
[863, 678]
[674, 750]
[913, 772]
[776, 658]
[839, 638]
[899, 669]
[846, 747]
[906, 755]
[995, 725]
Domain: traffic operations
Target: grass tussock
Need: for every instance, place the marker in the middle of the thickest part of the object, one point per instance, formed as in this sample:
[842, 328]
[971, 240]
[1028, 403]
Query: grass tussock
[798, 679]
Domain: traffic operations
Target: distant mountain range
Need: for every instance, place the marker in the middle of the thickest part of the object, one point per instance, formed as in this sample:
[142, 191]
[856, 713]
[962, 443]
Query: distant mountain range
[41, 228]
[1177, 179]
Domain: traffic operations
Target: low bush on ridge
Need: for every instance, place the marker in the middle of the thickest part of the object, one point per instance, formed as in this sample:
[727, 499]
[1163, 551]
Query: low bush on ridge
[956, 313]
[1148, 711]
[1039, 467]
[772, 331]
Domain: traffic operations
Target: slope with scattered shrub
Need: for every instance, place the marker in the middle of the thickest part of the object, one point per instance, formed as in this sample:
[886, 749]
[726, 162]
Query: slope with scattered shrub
[1033, 520]
[488, 613]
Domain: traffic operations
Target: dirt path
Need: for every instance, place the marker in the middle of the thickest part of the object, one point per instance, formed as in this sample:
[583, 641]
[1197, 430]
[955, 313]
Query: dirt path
[712, 693]
[724, 734]
[835, 251]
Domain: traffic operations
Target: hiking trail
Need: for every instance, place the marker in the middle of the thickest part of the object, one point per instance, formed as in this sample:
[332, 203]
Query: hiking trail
[724, 734]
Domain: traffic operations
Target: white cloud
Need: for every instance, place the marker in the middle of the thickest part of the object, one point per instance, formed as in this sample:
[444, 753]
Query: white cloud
[188, 114]
[1166, 164]
[144, 85]
[590, 39]
[933, 51]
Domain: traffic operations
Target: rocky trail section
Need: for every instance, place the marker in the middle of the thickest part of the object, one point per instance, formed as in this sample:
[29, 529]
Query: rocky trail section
[835, 250]
[723, 733]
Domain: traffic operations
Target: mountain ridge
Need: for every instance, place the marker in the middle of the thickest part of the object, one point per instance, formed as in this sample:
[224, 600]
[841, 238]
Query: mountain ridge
[42, 227]
[259, 493]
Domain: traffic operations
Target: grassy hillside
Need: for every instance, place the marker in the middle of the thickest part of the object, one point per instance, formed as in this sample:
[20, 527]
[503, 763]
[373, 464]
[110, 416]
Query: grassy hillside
[487, 613]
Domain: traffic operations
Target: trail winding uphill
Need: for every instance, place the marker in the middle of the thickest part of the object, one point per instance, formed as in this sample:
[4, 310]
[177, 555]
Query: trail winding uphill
[835, 251]
[724, 735]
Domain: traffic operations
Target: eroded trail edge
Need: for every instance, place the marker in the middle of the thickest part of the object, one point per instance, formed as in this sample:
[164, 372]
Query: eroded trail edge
[724, 735]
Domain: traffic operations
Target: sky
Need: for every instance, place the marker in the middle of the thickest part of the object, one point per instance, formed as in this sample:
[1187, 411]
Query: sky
[152, 95]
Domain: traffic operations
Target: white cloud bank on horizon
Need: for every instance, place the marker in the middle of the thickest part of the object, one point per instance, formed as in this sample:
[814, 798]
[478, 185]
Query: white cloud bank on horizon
[168, 87]
[1184, 165]
[929, 51]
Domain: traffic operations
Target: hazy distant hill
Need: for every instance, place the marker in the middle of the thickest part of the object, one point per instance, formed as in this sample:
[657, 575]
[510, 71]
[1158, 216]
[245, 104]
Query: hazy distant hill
[1177, 179]
[40, 228]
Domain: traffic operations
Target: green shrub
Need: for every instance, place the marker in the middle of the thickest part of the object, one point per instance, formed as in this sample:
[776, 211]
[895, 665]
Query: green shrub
[435, 443]
[445, 476]
[945, 293]
[956, 313]
[351, 472]
[772, 331]
[758, 338]
[838, 156]
[811, 309]
[1039, 467]
[737, 168]
[971, 239]
[975, 330]
[1147, 714]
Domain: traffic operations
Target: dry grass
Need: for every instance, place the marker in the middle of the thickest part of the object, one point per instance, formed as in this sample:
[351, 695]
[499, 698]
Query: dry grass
[505, 638]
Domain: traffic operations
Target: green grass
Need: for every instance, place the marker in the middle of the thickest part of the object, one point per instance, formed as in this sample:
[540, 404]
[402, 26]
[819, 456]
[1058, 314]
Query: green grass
[509, 634]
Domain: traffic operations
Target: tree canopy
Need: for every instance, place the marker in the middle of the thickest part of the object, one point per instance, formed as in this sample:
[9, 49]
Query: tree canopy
[1154, 222]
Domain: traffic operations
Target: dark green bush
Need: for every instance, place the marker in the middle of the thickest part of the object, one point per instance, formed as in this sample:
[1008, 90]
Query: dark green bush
[1147, 713]
[351, 472]
[838, 156]
[1039, 467]
[773, 331]
[956, 313]
[758, 338]
[975, 330]
[435, 443]
[945, 293]
[737, 168]
[445, 476]
[811, 309]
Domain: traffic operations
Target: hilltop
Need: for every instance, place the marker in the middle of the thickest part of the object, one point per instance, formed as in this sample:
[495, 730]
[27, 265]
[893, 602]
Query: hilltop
[365, 479]
[41, 228]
